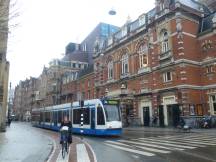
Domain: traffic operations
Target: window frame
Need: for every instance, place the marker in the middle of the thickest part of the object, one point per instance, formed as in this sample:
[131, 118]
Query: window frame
[143, 53]
[110, 70]
[165, 77]
[124, 64]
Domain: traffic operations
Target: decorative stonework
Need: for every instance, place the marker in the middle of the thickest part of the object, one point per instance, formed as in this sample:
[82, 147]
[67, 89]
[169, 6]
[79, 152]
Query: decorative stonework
[179, 28]
[207, 45]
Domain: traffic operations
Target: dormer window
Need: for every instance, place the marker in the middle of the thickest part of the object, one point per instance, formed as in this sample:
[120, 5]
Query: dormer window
[142, 20]
[124, 31]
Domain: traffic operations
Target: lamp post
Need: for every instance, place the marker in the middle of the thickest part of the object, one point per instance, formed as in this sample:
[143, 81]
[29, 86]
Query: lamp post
[123, 87]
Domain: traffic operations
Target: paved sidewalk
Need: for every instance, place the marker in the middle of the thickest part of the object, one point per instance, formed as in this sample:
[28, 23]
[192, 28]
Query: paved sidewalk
[167, 129]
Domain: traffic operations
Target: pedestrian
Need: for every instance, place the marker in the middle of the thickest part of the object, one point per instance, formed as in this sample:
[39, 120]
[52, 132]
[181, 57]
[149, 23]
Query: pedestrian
[67, 122]
[154, 120]
[9, 121]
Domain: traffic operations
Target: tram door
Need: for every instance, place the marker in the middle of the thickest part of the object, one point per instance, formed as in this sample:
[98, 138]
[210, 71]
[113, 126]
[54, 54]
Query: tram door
[146, 116]
[92, 118]
[55, 117]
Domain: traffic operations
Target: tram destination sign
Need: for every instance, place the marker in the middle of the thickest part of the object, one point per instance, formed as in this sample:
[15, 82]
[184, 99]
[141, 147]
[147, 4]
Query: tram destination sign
[111, 102]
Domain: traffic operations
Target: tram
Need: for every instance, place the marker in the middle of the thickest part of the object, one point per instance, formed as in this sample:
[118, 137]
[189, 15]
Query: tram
[100, 117]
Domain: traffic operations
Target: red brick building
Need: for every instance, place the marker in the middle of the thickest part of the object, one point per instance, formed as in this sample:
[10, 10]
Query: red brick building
[163, 64]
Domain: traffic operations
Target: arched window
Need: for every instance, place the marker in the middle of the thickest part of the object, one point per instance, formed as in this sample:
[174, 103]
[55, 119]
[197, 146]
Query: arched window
[124, 61]
[143, 55]
[165, 42]
[110, 70]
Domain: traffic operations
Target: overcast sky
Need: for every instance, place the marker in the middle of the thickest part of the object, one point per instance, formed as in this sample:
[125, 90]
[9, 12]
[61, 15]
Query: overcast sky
[47, 26]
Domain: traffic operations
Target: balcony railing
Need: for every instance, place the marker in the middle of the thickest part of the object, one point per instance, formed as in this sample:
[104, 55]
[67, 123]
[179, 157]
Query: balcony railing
[144, 70]
[125, 75]
[165, 55]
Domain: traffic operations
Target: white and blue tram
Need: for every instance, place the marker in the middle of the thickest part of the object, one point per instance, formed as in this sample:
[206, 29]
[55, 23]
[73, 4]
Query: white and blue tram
[100, 117]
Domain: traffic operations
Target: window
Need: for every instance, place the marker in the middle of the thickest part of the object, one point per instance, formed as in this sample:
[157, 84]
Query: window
[86, 113]
[79, 65]
[142, 20]
[74, 65]
[143, 58]
[110, 70]
[84, 47]
[88, 83]
[76, 116]
[112, 113]
[167, 77]
[209, 69]
[124, 61]
[59, 116]
[165, 43]
[89, 94]
[124, 31]
[47, 116]
[100, 116]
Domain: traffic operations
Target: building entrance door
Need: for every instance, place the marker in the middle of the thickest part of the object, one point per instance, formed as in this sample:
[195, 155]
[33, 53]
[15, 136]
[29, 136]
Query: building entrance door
[146, 116]
[161, 116]
[173, 115]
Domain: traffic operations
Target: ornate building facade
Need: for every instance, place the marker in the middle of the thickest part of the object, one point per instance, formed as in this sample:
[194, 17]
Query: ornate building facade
[162, 64]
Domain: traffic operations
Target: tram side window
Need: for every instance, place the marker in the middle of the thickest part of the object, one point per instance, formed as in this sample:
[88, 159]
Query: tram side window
[59, 116]
[86, 113]
[41, 116]
[76, 116]
[47, 116]
[100, 116]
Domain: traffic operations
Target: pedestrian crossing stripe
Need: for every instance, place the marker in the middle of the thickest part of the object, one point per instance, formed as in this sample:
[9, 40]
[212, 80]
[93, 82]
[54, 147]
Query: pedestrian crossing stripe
[152, 145]
[165, 144]
[162, 144]
[174, 142]
[131, 150]
[143, 148]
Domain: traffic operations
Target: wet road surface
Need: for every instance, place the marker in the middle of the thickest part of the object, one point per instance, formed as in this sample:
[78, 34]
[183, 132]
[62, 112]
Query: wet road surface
[23, 143]
[134, 146]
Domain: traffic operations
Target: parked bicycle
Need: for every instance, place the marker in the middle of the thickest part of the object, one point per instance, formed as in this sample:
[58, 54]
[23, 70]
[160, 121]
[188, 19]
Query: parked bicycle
[64, 140]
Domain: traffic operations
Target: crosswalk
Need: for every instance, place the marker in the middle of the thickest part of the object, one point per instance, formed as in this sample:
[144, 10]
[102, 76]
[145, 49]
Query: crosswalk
[150, 146]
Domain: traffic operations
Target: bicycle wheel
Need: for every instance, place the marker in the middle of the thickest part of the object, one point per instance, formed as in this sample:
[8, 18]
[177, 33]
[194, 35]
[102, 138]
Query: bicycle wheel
[63, 150]
[66, 147]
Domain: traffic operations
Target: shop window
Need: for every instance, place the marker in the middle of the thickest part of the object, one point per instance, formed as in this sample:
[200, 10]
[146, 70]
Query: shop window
[199, 110]
[192, 110]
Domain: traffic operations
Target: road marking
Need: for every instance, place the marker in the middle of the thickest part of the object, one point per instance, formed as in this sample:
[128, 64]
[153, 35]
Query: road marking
[165, 144]
[82, 154]
[131, 150]
[60, 159]
[141, 147]
[173, 142]
[151, 145]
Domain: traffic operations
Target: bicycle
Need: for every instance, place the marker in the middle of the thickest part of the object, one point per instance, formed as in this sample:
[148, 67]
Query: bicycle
[64, 140]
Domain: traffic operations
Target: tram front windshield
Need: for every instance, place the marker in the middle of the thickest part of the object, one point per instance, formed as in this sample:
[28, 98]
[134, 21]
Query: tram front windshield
[112, 112]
